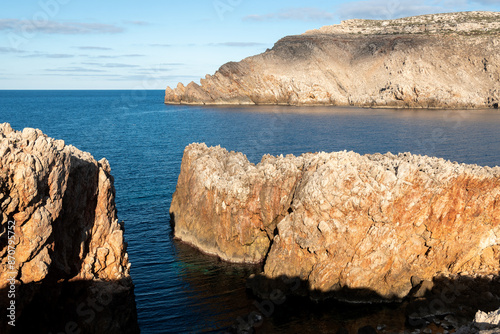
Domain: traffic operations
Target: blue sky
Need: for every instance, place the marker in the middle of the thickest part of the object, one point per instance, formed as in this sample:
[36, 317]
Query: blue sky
[149, 44]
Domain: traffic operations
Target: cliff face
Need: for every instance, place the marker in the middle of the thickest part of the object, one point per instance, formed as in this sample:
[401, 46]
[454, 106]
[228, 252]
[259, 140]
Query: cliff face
[442, 61]
[228, 207]
[341, 222]
[68, 241]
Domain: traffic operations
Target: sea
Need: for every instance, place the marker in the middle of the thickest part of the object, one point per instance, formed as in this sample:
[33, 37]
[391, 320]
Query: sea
[177, 288]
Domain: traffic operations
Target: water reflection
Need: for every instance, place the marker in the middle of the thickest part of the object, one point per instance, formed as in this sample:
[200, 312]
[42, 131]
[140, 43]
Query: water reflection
[217, 289]
[221, 303]
[466, 136]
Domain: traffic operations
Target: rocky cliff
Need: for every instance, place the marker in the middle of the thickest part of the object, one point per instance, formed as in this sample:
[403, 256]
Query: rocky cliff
[345, 225]
[228, 207]
[430, 61]
[61, 243]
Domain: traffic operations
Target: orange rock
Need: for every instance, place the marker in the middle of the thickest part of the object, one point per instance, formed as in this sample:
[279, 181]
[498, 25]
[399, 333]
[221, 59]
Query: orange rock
[341, 220]
[228, 207]
[400, 63]
[66, 227]
[59, 197]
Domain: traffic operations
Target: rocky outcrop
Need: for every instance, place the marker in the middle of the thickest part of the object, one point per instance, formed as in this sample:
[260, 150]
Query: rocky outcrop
[342, 224]
[484, 323]
[58, 207]
[431, 61]
[228, 207]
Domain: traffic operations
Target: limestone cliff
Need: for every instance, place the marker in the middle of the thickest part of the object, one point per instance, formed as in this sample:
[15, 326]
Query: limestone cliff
[342, 222]
[440, 61]
[60, 205]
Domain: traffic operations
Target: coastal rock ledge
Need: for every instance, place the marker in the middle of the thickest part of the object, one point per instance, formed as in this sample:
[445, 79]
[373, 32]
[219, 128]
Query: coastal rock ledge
[62, 253]
[377, 224]
[430, 61]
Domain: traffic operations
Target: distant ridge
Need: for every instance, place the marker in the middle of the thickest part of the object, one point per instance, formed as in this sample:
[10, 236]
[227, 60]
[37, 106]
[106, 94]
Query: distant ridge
[461, 23]
[430, 61]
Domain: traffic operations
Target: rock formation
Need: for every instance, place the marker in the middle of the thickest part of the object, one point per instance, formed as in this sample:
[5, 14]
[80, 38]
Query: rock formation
[372, 226]
[68, 242]
[228, 207]
[430, 61]
[484, 323]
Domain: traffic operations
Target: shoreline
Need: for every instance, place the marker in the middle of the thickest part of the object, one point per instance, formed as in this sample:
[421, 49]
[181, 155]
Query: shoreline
[236, 105]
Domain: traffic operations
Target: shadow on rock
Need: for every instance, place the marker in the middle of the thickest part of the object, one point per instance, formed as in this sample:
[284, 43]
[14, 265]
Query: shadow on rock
[72, 307]
[445, 304]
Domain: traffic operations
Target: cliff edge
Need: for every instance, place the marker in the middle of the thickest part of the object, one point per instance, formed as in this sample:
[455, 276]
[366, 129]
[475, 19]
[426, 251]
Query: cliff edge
[63, 256]
[347, 226]
[431, 61]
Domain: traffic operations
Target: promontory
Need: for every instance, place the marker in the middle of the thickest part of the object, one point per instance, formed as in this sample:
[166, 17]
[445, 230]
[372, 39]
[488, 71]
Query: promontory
[430, 61]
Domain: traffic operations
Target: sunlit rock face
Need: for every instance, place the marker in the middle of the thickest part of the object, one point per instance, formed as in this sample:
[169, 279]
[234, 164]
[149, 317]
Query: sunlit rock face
[228, 207]
[61, 234]
[342, 222]
[431, 61]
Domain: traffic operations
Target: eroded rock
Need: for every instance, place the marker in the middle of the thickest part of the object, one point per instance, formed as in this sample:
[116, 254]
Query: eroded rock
[345, 225]
[228, 207]
[68, 240]
[431, 61]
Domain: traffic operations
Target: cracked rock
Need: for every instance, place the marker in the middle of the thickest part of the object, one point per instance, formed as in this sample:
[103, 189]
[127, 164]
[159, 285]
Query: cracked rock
[350, 227]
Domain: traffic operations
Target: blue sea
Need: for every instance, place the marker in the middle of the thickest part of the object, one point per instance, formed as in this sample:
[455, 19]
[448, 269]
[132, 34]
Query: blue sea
[178, 289]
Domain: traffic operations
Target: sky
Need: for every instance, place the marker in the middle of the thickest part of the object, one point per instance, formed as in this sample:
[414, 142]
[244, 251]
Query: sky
[151, 44]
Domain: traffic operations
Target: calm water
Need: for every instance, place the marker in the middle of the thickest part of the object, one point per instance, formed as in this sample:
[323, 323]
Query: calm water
[179, 290]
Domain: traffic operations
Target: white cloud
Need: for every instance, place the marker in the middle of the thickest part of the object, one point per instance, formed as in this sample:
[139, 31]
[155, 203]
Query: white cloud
[49, 55]
[297, 14]
[99, 48]
[172, 64]
[487, 2]
[376, 9]
[237, 44]
[453, 3]
[117, 56]
[73, 69]
[137, 23]
[52, 27]
[10, 50]
[111, 65]
[161, 45]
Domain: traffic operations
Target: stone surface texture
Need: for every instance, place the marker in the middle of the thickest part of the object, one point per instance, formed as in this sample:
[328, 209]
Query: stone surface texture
[484, 323]
[430, 61]
[228, 207]
[371, 224]
[63, 204]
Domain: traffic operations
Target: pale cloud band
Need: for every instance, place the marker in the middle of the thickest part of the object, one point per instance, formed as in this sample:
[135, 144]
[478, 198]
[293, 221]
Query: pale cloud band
[96, 48]
[237, 44]
[10, 50]
[53, 27]
[110, 65]
[376, 9]
[300, 14]
[49, 55]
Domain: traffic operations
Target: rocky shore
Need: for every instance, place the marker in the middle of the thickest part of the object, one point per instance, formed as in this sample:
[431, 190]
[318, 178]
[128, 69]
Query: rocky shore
[372, 226]
[431, 61]
[62, 249]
